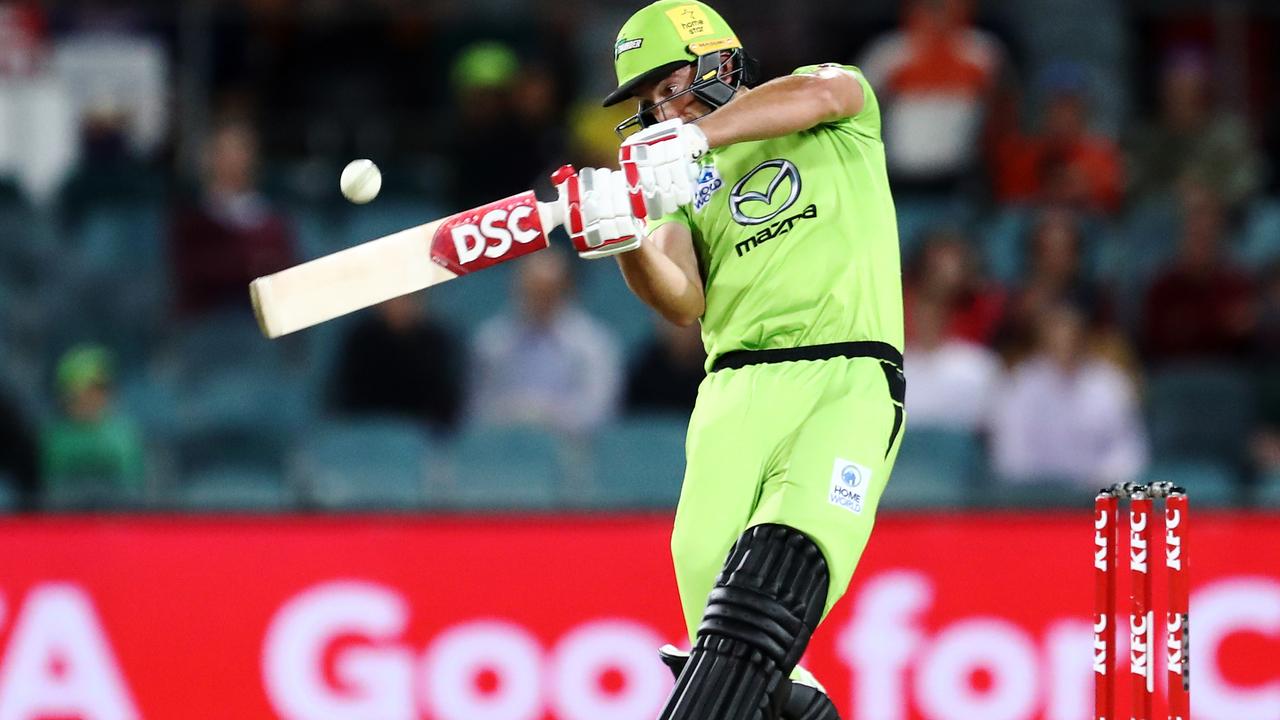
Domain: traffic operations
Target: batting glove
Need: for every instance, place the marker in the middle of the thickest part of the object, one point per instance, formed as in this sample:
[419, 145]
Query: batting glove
[597, 211]
[660, 164]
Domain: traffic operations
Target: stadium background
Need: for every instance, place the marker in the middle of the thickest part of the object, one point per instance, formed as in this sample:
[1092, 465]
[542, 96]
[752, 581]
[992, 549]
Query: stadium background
[139, 405]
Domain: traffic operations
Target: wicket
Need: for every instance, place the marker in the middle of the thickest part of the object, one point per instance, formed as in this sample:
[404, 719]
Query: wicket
[1142, 668]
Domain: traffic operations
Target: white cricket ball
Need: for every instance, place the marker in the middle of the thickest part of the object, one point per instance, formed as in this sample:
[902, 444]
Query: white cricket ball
[361, 181]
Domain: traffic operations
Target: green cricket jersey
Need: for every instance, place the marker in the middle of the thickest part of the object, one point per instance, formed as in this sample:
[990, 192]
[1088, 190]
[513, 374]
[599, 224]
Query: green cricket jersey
[797, 239]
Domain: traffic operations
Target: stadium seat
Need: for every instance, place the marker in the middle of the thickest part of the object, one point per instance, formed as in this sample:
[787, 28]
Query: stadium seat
[149, 401]
[605, 296]
[363, 463]
[1260, 243]
[235, 490]
[1207, 483]
[318, 232]
[1003, 239]
[1268, 494]
[1200, 412]
[8, 494]
[639, 463]
[506, 468]
[122, 238]
[919, 214]
[1040, 492]
[387, 216]
[935, 468]
[86, 493]
[1151, 231]
[467, 303]
[228, 341]
[237, 418]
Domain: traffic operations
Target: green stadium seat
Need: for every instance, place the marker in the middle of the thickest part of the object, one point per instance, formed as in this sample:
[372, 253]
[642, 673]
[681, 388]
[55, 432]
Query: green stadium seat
[237, 418]
[228, 341]
[235, 490]
[465, 304]
[1040, 492]
[1151, 232]
[370, 463]
[1200, 412]
[8, 494]
[1260, 243]
[1003, 238]
[605, 296]
[919, 214]
[315, 230]
[639, 463]
[1268, 494]
[1207, 483]
[935, 468]
[386, 216]
[507, 468]
[83, 493]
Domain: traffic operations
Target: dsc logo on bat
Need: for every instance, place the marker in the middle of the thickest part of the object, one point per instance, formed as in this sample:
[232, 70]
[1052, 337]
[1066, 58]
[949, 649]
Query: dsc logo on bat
[489, 234]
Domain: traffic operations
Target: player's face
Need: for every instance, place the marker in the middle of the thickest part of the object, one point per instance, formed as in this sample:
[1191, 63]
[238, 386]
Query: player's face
[667, 107]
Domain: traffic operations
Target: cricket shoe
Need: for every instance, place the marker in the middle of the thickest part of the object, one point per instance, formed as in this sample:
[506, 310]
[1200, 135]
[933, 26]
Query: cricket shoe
[807, 700]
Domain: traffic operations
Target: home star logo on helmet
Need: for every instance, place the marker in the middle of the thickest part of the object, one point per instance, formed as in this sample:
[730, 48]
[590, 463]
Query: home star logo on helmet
[690, 21]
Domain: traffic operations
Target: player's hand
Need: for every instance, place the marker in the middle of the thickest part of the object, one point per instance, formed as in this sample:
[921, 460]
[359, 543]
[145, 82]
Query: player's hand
[660, 164]
[597, 211]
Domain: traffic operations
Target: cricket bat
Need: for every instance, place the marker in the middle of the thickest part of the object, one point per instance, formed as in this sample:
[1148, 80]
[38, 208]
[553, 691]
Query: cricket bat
[403, 262]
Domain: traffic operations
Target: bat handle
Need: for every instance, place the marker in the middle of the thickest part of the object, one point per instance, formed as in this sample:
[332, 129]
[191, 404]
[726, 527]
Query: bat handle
[552, 214]
[556, 212]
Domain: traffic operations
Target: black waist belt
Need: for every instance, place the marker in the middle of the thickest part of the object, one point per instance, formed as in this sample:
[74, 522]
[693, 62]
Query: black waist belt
[889, 357]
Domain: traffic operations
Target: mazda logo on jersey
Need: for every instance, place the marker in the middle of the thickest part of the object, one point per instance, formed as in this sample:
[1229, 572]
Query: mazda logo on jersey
[758, 197]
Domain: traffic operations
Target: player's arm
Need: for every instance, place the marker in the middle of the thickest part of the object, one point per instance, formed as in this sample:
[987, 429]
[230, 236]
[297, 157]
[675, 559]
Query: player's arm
[785, 105]
[600, 218]
[663, 272]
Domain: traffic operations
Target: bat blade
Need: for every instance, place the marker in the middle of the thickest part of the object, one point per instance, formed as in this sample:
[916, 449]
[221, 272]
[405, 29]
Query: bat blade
[397, 264]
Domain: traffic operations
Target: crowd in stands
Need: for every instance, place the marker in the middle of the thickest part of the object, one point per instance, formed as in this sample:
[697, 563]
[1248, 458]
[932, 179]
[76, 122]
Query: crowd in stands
[1083, 305]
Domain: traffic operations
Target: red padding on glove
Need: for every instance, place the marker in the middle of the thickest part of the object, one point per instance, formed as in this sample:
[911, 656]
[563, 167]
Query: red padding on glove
[562, 174]
[575, 206]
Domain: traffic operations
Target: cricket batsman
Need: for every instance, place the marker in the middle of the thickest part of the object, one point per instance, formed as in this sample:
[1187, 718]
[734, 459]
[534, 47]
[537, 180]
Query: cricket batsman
[769, 220]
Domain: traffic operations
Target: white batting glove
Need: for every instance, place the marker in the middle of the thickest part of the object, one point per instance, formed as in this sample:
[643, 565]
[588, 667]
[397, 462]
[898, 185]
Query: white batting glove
[597, 211]
[660, 164]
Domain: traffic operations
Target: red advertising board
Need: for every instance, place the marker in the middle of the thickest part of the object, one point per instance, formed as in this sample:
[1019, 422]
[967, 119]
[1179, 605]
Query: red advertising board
[951, 617]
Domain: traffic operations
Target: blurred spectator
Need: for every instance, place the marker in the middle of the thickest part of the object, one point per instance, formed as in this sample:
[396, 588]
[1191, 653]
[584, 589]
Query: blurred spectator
[505, 137]
[38, 122]
[935, 77]
[1066, 415]
[112, 65]
[1066, 164]
[90, 449]
[398, 361]
[1201, 306]
[1191, 139]
[18, 450]
[944, 270]
[230, 234]
[22, 38]
[665, 375]
[1055, 274]
[545, 361]
[952, 380]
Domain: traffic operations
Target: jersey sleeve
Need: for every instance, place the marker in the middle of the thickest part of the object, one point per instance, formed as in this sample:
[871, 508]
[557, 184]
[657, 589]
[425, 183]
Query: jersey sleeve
[867, 121]
[680, 215]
